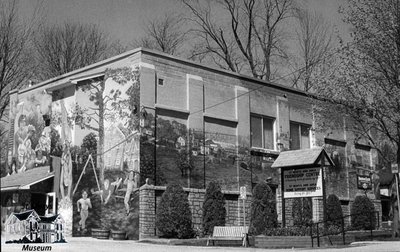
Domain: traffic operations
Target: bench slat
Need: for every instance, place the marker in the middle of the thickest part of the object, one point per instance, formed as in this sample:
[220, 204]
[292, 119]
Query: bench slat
[230, 233]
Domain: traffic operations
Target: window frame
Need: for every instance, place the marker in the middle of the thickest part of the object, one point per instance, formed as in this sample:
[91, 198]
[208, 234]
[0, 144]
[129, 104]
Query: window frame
[262, 117]
[299, 124]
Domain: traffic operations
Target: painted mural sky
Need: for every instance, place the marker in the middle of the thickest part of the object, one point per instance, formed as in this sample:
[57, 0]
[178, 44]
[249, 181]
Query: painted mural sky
[124, 19]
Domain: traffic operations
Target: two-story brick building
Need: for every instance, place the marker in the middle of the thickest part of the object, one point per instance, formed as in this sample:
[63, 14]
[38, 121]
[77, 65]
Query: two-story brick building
[196, 124]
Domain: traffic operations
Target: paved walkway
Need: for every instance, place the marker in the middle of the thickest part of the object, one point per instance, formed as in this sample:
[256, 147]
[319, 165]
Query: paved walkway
[90, 244]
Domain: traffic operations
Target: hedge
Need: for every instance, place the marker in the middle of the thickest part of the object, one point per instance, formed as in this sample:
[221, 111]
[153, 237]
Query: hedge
[174, 219]
[214, 211]
[263, 210]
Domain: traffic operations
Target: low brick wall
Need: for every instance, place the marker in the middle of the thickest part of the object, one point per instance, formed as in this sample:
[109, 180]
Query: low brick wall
[150, 197]
[262, 241]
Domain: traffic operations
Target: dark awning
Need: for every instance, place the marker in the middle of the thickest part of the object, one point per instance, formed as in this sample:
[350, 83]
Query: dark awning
[302, 158]
[25, 179]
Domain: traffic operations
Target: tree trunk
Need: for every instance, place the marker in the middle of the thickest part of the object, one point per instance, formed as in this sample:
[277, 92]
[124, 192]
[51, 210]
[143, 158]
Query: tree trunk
[100, 144]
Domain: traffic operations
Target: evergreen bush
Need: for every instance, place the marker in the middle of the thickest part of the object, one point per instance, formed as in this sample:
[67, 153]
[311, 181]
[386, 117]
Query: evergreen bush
[174, 219]
[214, 211]
[302, 211]
[263, 209]
[334, 213]
[362, 214]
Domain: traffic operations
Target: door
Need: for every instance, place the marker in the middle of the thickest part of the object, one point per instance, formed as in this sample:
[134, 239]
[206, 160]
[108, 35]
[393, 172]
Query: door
[50, 203]
[38, 203]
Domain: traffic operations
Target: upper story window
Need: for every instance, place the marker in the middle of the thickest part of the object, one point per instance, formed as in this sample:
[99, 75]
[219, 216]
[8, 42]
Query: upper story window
[262, 132]
[299, 136]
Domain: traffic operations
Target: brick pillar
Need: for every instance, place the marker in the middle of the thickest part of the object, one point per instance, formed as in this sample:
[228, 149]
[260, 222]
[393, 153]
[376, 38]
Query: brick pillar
[147, 214]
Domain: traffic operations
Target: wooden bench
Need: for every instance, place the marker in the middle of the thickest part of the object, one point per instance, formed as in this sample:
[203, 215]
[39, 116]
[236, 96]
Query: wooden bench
[232, 233]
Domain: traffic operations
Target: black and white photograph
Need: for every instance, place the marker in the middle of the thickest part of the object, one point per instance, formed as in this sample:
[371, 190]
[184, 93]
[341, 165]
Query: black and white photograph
[200, 125]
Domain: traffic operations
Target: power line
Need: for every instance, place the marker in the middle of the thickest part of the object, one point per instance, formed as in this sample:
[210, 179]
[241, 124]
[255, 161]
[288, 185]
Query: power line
[261, 87]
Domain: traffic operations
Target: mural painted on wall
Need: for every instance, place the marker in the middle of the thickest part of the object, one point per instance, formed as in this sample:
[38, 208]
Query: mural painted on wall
[31, 138]
[110, 118]
[193, 158]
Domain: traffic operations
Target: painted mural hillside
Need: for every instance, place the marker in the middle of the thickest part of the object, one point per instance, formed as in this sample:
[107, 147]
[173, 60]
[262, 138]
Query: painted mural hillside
[193, 157]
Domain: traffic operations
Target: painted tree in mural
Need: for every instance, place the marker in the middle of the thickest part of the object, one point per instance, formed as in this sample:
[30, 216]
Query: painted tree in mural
[364, 82]
[109, 103]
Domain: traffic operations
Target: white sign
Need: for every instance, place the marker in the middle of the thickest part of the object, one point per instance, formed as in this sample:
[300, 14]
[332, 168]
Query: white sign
[395, 168]
[302, 183]
[243, 194]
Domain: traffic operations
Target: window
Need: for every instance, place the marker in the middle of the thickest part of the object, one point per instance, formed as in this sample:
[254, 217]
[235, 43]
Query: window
[299, 136]
[262, 132]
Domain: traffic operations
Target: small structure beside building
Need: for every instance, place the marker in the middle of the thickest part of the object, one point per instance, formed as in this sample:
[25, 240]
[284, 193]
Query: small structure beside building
[51, 228]
[31, 227]
[24, 224]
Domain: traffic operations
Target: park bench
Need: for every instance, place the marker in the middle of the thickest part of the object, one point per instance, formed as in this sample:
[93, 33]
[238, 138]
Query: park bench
[232, 233]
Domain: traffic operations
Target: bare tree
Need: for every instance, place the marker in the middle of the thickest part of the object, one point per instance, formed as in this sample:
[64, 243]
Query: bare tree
[251, 39]
[61, 49]
[314, 40]
[15, 60]
[164, 34]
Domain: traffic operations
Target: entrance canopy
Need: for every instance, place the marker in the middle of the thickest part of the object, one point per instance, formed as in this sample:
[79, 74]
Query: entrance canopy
[26, 179]
[303, 158]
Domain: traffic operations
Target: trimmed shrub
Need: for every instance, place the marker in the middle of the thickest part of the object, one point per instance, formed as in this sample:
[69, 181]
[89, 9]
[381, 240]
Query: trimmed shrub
[302, 211]
[334, 213]
[174, 219]
[263, 210]
[362, 214]
[214, 211]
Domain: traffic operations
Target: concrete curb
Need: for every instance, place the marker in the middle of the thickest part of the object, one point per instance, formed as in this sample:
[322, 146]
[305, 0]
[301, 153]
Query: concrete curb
[185, 242]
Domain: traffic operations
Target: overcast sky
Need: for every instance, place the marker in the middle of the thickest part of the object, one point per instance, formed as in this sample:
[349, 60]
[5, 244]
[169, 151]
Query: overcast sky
[124, 19]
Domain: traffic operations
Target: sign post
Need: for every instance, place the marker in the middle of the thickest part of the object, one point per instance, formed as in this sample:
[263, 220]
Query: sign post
[243, 196]
[395, 170]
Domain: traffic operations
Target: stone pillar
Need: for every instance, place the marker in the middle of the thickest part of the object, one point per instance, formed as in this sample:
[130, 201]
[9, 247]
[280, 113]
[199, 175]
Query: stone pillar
[196, 199]
[147, 214]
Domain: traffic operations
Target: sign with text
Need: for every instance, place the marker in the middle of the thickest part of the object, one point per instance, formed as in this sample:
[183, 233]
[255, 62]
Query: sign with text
[364, 182]
[243, 194]
[302, 183]
[395, 168]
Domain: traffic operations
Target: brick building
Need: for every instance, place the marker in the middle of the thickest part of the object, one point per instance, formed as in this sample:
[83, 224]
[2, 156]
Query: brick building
[195, 123]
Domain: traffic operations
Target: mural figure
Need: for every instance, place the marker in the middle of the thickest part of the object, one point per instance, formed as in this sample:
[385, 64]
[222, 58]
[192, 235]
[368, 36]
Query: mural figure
[26, 155]
[20, 136]
[13, 167]
[131, 183]
[83, 205]
[40, 159]
[108, 189]
[44, 141]
[23, 144]
[66, 171]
